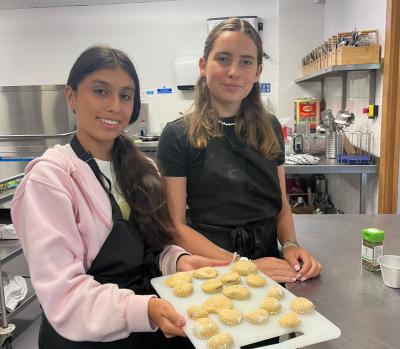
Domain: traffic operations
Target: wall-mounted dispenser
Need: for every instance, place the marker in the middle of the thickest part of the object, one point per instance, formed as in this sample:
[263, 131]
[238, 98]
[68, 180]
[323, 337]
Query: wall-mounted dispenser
[253, 20]
[186, 72]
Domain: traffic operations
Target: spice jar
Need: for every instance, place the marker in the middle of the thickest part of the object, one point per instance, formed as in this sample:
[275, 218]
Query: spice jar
[372, 248]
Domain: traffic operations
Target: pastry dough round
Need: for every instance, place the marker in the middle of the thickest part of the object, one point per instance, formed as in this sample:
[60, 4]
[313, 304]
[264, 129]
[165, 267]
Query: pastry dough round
[212, 286]
[215, 303]
[205, 273]
[289, 320]
[205, 328]
[301, 305]
[271, 305]
[230, 316]
[231, 278]
[236, 292]
[183, 290]
[275, 291]
[178, 278]
[257, 317]
[255, 280]
[221, 340]
[196, 312]
[244, 267]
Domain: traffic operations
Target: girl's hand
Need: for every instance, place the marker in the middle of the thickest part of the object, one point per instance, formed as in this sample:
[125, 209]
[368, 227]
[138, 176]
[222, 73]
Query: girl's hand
[190, 262]
[303, 262]
[164, 315]
[277, 269]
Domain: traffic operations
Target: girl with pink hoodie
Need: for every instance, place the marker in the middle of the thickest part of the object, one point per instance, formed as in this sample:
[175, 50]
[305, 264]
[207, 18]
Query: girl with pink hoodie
[93, 222]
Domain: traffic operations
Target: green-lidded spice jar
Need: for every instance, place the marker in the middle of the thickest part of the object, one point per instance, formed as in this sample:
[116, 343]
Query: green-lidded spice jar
[372, 248]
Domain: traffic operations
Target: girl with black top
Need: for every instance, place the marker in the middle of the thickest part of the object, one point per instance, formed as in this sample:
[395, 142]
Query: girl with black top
[224, 163]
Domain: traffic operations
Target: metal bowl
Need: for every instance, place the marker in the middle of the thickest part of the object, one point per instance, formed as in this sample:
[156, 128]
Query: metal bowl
[390, 269]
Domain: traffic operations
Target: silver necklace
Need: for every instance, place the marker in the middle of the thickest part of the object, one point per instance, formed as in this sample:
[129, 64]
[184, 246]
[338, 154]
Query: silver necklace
[226, 123]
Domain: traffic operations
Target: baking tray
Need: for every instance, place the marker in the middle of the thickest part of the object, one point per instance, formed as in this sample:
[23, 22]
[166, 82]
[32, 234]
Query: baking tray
[314, 327]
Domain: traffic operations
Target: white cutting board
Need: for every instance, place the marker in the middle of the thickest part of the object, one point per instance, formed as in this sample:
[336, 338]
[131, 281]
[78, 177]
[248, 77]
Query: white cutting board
[315, 327]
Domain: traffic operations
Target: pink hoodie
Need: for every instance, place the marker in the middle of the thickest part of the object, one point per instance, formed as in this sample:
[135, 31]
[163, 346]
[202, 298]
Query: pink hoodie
[62, 217]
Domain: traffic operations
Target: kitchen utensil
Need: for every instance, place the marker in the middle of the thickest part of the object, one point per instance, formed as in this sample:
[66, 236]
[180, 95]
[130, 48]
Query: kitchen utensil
[314, 327]
[328, 119]
[333, 144]
[390, 269]
[343, 119]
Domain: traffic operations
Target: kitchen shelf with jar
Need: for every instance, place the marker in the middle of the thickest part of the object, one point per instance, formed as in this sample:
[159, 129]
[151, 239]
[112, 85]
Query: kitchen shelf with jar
[342, 71]
[343, 53]
[337, 70]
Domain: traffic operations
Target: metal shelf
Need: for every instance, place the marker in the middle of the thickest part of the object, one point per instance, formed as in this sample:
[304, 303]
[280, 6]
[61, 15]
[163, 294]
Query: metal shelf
[6, 195]
[331, 166]
[327, 166]
[337, 70]
[342, 71]
[9, 249]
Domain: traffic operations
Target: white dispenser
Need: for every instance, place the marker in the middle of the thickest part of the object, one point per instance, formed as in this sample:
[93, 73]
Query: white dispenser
[187, 72]
[253, 20]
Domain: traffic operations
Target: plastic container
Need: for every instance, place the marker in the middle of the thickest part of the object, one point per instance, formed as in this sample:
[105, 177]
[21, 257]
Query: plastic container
[372, 248]
[390, 269]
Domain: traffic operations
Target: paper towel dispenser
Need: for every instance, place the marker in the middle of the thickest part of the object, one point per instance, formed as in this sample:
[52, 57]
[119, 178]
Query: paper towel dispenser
[186, 72]
[253, 20]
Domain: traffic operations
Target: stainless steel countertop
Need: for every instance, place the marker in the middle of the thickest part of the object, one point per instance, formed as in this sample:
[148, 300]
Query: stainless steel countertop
[356, 300]
[147, 146]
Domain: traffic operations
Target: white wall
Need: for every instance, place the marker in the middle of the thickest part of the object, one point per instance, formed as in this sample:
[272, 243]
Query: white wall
[345, 15]
[300, 31]
[42, 43]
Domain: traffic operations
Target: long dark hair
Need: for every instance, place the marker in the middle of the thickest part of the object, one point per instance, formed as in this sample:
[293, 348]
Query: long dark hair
[137, 177]
[253, 123]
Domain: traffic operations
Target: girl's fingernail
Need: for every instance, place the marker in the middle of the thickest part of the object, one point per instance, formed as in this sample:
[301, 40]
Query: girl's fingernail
[181, 322]
[298, 276]
[303, 279]
[294, 279]
[297, 267]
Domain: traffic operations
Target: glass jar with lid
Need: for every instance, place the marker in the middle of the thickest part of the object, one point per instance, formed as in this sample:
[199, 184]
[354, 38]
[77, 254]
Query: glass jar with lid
[372, 248]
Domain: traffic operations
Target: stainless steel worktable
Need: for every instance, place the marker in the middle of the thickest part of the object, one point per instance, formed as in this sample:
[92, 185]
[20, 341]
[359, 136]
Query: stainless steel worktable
[356, 300]
[326, 166]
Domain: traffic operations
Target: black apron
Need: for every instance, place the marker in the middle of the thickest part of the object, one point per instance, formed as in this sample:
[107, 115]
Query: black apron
[123, 260]
[237, 199]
